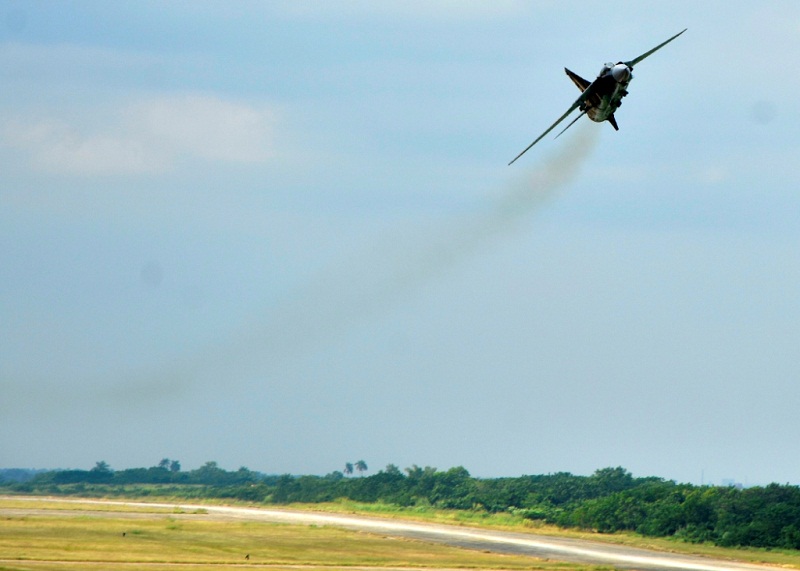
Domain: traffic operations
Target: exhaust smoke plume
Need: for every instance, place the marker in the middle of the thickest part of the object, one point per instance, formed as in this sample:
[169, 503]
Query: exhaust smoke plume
[340, 298]
[372, 283]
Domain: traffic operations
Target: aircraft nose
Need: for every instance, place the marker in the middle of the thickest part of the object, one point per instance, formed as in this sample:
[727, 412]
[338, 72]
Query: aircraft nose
[621, 72]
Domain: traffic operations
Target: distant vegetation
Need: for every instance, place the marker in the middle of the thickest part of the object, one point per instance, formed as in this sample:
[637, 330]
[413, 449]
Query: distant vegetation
[17, 474]
[610, 500]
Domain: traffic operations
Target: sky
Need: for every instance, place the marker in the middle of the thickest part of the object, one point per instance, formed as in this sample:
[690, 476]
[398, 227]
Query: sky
[284, 235]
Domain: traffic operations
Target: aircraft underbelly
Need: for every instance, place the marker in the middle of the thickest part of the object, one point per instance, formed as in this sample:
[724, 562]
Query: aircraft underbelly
[603, 104]
[601, 110]
[596, 114]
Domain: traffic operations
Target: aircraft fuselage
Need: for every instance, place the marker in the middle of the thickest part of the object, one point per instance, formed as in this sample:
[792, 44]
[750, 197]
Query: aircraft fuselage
[610, 87]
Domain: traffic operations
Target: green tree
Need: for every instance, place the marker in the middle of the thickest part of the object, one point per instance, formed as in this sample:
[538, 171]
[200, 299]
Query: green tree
[392, 470]
[361, 466]
[164, 464]
[611, 480]
[348, 468]
[102, 467]
[210, 474]
[174, 466]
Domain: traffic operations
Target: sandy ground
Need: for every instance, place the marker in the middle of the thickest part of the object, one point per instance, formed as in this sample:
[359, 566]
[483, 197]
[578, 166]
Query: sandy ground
[545, 547]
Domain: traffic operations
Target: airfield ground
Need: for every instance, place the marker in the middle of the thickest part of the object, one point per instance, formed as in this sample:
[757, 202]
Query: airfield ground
[65, 534]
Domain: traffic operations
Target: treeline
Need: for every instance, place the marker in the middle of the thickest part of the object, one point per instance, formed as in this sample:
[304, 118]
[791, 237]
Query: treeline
[18, 474]
[609, 500]
[167, 472]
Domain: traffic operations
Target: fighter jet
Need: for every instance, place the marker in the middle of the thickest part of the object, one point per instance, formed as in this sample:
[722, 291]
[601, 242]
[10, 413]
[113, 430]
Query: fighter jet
[602, 97]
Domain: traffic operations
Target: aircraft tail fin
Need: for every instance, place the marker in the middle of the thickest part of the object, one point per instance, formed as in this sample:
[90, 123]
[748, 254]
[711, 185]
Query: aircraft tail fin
[613, 121]
[581, 83]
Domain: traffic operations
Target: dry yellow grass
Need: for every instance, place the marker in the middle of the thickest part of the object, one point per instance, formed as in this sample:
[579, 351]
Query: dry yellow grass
[55, 539]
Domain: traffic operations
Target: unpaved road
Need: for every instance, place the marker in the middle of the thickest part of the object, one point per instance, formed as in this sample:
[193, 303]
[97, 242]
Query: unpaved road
[545, 547]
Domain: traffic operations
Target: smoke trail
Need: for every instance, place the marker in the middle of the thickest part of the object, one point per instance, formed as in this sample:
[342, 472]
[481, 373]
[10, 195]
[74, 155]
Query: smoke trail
[338, 299]
[516, 204]
[352, 293]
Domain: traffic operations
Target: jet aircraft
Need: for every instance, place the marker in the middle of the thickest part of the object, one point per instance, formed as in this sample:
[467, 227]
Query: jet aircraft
[600, 98]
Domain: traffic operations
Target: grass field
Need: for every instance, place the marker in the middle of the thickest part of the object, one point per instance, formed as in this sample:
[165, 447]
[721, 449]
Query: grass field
[60, 536]
[57, 534]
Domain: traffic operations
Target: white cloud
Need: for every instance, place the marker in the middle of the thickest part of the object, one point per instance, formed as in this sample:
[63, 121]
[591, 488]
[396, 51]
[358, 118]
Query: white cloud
[148, 136]
[207, 127]
[56, 146]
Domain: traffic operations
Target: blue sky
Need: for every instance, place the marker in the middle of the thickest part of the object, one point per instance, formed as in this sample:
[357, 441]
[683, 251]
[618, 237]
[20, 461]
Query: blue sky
[285, 236]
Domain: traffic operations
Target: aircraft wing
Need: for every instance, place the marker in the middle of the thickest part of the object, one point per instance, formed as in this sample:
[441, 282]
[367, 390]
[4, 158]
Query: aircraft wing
[572, 108]
[633, 62]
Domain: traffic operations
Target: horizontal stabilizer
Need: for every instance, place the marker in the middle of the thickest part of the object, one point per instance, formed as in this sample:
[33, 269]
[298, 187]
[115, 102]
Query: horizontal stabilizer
[588, 92]
[571, 124]
[581, 83]
[613, 121]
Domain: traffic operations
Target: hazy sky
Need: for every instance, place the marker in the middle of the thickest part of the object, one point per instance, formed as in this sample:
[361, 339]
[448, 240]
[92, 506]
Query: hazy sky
[284, 235]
